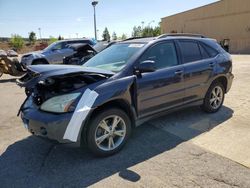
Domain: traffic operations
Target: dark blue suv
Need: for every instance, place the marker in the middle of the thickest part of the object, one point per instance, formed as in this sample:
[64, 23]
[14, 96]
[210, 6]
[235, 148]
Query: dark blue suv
[128, 83]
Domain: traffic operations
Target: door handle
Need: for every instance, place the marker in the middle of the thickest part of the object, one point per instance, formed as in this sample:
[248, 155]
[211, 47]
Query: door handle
[179, 72]
[211, 64]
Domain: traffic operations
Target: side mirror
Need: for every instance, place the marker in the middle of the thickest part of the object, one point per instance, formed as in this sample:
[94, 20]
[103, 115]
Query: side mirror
[147, 66]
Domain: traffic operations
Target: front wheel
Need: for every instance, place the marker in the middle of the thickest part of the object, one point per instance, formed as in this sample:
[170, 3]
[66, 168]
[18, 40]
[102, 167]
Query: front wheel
[1, 72]
[214, 98]
[108, 132]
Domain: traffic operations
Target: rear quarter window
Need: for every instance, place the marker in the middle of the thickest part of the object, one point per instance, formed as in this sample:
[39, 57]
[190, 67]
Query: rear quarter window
[204, 53]
[212, 52]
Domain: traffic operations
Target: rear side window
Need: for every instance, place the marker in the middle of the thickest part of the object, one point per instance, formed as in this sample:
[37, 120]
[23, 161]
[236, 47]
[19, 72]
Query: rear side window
[190, 51]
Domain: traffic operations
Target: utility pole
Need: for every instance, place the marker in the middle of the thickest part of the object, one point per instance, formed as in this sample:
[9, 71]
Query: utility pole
[39, 29]
[97, 31]
[94, 3]
[142, 25]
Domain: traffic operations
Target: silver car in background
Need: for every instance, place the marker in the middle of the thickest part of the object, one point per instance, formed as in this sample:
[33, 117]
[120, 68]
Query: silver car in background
[54, 53]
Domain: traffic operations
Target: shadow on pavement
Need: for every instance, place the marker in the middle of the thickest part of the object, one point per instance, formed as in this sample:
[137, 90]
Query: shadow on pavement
[35, 162]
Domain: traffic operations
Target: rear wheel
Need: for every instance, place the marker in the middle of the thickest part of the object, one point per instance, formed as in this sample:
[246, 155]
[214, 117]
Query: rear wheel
[108, 132]
[214, 98]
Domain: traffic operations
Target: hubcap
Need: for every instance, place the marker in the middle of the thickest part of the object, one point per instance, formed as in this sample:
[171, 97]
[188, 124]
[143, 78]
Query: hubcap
[110, 133]
[216, 97]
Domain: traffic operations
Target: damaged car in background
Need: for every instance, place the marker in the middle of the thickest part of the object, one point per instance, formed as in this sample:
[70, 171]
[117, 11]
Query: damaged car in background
[121, 87]
[83, 52]
[54, 53]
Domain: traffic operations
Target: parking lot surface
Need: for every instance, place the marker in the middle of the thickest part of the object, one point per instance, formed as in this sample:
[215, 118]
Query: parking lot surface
[185, 149]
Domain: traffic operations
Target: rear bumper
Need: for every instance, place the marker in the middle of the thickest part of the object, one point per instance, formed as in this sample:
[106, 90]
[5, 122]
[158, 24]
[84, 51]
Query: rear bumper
[230, 78]
[48, 125]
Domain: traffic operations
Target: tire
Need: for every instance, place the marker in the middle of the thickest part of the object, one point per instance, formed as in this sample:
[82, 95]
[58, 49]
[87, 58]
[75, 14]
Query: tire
[214, 98]
[1, 72]
[100, 132]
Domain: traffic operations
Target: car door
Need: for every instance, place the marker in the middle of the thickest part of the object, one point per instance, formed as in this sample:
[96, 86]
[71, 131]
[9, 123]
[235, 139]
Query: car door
[162, 89]
[60, 51]
[198, 69]
[64, 51]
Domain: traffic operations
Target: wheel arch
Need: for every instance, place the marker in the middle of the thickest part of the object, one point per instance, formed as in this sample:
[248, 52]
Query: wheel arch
[223, 80]
[116, 103]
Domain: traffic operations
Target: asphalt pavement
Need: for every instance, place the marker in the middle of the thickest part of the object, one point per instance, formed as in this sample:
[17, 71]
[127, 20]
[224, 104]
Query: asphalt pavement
[185, 149]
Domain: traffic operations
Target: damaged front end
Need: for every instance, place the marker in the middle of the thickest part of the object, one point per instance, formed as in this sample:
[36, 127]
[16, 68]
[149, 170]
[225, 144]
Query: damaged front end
[53, 92]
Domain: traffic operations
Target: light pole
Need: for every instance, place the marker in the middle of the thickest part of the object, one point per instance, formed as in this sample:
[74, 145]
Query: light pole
[94, 3]
[142, 24]
[97, 31]
[39, 29]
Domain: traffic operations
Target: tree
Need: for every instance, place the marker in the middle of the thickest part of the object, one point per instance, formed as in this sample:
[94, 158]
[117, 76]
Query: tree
[157, 30]
[32, 37]
[124, 36]
[137, 31]
[60, 37]
[146, 31]
[16, 41]
[106, 35]
[114, 36]
[52, 39]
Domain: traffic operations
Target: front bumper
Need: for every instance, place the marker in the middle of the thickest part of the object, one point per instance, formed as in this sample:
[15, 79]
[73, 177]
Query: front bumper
[48, 125]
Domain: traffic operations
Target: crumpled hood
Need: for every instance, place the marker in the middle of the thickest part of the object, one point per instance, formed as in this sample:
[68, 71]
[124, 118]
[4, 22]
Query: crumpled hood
[37, 73]
[53, 70]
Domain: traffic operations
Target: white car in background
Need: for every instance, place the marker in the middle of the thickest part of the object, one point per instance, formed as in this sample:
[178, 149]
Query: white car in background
[54, 53]
[12, 53]
[3, 53]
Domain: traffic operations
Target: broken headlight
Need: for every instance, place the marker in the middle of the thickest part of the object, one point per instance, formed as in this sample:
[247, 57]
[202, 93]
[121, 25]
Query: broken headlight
[60, 104]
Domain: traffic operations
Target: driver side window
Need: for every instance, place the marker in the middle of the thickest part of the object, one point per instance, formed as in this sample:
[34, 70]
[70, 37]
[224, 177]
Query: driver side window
[164, 55]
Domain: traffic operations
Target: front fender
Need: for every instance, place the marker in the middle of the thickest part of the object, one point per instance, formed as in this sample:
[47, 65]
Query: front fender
[117, 89]
[93, 99]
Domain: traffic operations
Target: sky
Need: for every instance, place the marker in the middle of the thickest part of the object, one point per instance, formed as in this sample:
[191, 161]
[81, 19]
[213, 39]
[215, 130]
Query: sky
[72, 18]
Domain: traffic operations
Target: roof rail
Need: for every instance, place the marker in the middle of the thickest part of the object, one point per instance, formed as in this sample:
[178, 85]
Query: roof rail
[180, 35]
[132, 38]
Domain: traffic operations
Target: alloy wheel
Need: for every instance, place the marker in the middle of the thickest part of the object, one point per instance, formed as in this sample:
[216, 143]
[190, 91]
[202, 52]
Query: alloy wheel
[110, 133]
[216, 97]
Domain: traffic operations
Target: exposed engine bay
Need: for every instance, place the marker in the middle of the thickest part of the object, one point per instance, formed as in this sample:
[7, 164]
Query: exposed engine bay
[42, 87]
[59, 85]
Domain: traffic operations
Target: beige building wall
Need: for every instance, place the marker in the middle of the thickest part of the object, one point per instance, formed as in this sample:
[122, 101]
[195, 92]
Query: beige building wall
[226, 19]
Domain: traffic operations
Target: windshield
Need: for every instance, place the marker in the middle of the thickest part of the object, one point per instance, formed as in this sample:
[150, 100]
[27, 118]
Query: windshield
[115, 57]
